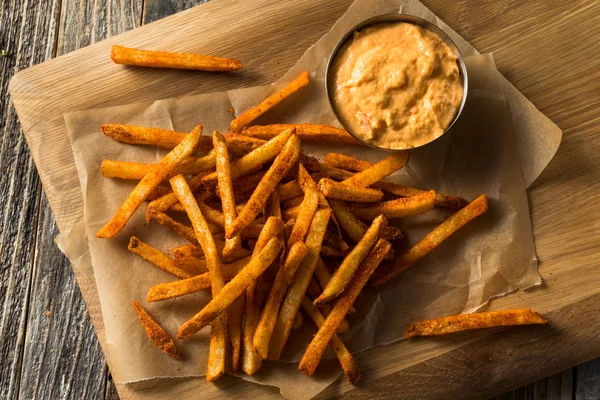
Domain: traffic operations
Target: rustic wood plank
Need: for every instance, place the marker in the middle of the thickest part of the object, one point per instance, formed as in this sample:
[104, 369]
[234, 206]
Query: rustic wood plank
[27, 33]
[556, 387]
[588, 381]
[62, 357]
[157, 9]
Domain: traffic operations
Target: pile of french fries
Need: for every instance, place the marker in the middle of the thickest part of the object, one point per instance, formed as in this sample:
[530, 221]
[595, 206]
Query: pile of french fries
[273, 231]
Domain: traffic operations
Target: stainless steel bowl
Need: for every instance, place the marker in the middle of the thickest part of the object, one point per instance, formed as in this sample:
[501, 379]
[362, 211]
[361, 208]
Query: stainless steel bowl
[329, 79]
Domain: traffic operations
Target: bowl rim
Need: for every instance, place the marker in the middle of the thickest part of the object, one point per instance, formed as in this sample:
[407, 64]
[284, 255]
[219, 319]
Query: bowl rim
[387, 18]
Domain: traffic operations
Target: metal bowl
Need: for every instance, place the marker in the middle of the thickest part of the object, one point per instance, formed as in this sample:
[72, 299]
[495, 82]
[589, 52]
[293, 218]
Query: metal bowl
[329, 74]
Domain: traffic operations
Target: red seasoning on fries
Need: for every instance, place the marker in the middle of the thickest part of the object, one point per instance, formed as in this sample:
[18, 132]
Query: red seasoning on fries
[464, 322]
[156, 333]
[163, 59]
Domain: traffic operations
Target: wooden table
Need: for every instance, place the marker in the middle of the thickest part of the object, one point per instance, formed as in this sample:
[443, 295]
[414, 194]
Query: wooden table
[47, 344]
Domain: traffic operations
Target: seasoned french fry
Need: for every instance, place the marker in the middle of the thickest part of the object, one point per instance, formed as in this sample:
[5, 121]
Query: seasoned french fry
[188, 250]
[295, 202]
[463, 322]
[334, 160]
[187, 232]
[218, 334]
[312, 292]
[241, 167]
[332, 252]
[157, 192]
[163, 169]
[290, 190]
[255, 295]
[169, 290]
[297, 289]
[378, 171]
[131, 134]
[235, 322]
[340, 191]
[273, 206]
[284, 277]
[162, 59]
[136, 171]
[323, 275]
[290, 214]
[433, 239]
[343, 275]
[311, 358]
[304, 131]
[298, 321]
[348, 363]
[399, 208]
[253, 113]
[226, 194]
[307, 208]
[283, 162]
[234, 288]
[156, 333]
[193, 265]
[348, 221]
[240, 145]
[156, 257]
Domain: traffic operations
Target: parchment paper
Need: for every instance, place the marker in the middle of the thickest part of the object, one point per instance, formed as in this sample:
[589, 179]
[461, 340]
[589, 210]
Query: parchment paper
[488, 258]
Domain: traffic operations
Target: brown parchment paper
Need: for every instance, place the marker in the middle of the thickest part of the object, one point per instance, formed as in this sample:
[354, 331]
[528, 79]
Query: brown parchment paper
[489, 258]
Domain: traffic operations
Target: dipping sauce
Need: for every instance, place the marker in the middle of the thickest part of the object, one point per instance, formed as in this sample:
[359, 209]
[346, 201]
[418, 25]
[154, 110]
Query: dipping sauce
[396, 85]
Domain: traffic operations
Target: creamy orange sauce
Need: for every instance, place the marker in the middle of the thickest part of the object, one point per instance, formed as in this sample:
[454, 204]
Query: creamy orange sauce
[396, 85]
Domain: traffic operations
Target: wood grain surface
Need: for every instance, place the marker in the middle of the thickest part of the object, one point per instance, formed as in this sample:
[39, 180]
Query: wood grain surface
[549, 50]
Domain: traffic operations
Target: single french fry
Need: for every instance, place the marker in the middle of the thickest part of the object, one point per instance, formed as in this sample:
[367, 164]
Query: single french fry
[235, 322]
[298, 321]
[311, 358]
[163, 169]
[255, 296]
[295, 202]
[156, 257]
[192, 265]
[136, 171]
[306, 209]
[340, 191]
[432, 240]
[234, 288]
[187, 232]
[240, 145]
[253, 113]
[156, 333]
[348, 221]
[297, 289]
[313, 291]
[398, 208]
[241, 167]
[284, 277]
[335, 161]
[323, 275]
[187, 250]
[289, 190]
[162, 59]
[169, 290]
[283, 162]
[273, 206]
[347, 361]
[305, 132]
[226, 194]
[218, 334]
[463, 322]
[131, 134]
[343, 275]
[157, 192]
[378, 171]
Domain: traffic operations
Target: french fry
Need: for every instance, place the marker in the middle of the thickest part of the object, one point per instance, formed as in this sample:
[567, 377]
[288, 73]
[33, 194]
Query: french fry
[187, 232]
[131, 134]
[289, 190]
[290, 214]
[253, 113]
[433, 239]
[226, 194]
[323, 275]
[235, 322]
[378, 171]
[343, 275]
[313, 291]
[234, 288]
[162, 59]
[240, 145]
[297, 289]
[156, 257]
[156, 333]
[306, 209]
[136, 171]
[188, 250]
[193, 265]
[157, 192]
[347, 361]
[311, 358]
[298, 321]
[163, 169]
[340, 191]
[463, 322]
[218, 334]
[348, 163]
[283, 162]
[295, 202]
[283, 279]
[241, 167]
[399, 208]
[273, 206]
[332, 252]
[304, 131]
[252, 361]
[169, 290]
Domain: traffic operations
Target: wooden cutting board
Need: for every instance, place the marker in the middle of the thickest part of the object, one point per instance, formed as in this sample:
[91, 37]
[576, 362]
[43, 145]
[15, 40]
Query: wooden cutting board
[549, 50]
